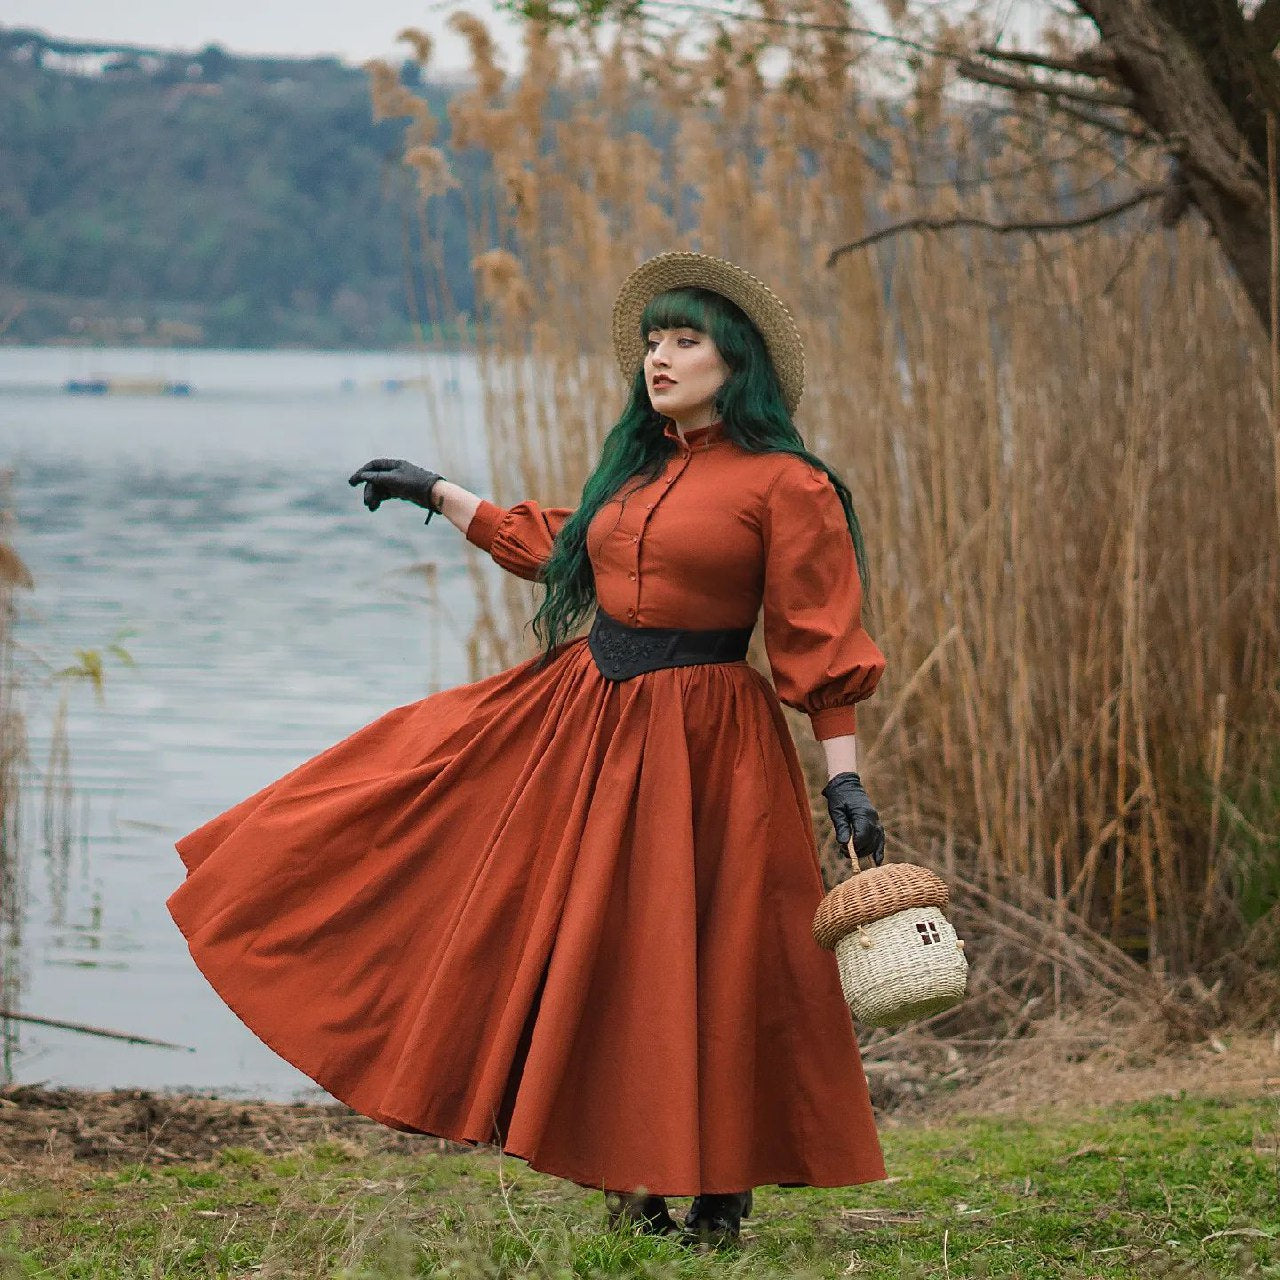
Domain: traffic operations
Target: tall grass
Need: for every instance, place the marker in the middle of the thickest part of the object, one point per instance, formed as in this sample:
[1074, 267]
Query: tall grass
[1062, 452]
[14, 576]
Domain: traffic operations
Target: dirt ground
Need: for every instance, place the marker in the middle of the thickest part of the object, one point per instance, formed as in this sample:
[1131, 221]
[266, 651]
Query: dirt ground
[911, 1080]
[1079, 1065]
[138, 1126]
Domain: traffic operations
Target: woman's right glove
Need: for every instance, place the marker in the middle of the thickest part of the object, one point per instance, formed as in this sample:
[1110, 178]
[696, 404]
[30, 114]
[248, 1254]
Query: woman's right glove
[395, 478]
[854, 818]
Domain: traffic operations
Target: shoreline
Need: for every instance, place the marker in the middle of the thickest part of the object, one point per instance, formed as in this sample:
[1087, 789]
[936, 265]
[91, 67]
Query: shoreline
[102, 1127]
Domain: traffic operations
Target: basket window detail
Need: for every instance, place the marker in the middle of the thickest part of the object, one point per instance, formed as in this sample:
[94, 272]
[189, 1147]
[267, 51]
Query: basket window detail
[928, 932]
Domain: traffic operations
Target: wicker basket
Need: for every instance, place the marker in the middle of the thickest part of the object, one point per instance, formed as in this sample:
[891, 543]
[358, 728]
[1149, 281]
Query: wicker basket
[899, 958]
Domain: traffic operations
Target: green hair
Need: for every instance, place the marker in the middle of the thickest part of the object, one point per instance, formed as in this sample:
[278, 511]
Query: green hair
[755, 418]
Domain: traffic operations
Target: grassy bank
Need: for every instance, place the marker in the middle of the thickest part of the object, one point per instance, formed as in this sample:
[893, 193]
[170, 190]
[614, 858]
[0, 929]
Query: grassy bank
[1173, 1186]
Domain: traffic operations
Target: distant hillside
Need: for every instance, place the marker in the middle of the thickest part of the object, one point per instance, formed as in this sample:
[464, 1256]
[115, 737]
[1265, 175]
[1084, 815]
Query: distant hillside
[234, 201]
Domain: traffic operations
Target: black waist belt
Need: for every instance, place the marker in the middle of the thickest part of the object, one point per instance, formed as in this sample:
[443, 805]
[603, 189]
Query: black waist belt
[622, 652]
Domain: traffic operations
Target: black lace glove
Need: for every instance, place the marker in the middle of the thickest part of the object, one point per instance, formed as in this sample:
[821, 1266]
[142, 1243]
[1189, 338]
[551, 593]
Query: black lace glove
[395, 478]
[852, 815]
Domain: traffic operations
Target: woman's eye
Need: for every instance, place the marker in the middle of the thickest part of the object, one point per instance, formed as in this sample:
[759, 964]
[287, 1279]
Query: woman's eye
[688, 342]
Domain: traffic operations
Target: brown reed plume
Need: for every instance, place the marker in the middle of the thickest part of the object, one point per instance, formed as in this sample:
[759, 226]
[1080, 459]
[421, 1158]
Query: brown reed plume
[1061, 451]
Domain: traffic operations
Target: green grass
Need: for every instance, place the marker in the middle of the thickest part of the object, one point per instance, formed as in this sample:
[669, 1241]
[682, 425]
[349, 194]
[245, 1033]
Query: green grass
[1175, 1187]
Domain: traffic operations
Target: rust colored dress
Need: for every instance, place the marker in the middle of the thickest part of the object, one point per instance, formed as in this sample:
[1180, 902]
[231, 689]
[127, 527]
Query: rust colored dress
[569, 915]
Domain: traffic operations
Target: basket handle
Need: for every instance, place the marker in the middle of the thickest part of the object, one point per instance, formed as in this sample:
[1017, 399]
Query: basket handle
[852, 860]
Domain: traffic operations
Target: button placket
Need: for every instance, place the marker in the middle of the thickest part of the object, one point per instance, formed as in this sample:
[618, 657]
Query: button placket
[637, 538]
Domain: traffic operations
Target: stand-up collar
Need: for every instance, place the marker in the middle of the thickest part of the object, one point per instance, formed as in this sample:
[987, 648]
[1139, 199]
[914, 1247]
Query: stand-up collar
[699, 438]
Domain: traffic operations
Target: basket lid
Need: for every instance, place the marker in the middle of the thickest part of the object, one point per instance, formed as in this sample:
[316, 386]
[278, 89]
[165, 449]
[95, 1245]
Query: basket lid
[872, 895]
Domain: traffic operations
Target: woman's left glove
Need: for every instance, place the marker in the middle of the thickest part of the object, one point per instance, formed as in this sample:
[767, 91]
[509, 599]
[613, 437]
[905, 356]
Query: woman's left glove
[853, 816]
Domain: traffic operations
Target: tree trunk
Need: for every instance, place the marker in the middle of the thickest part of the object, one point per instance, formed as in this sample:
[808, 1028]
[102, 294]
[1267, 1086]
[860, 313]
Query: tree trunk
[1204, 78]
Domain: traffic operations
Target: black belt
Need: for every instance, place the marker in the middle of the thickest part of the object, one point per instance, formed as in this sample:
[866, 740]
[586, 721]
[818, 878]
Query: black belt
[621, 651]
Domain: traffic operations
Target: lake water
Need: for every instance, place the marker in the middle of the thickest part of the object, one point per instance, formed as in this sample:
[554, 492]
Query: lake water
[269, 615]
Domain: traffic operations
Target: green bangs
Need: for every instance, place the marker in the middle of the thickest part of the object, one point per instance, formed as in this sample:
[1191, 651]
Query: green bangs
[701, 309]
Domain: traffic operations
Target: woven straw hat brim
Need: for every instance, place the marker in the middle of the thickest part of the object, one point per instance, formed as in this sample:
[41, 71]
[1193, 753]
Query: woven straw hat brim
[683, 270]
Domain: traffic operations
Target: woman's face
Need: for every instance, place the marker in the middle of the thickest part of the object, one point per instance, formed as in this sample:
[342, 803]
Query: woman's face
[684, 371]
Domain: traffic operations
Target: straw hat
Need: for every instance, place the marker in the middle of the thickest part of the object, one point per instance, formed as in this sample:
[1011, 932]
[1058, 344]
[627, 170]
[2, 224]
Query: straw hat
[680, 270]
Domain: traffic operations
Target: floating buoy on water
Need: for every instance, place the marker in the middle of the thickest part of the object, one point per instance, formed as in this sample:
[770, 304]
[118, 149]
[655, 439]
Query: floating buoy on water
[126, 387]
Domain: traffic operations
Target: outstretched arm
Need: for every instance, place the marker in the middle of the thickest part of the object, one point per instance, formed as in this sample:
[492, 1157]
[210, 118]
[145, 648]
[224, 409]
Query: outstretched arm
[455, 503]
[519, 539]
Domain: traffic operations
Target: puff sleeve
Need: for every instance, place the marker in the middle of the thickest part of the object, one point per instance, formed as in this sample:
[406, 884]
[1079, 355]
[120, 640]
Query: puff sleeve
[821, 658]
[518, 538]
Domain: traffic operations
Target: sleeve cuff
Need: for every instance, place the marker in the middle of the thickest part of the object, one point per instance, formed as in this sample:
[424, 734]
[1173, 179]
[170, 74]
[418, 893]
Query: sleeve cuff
[833, 722]
[484, 524]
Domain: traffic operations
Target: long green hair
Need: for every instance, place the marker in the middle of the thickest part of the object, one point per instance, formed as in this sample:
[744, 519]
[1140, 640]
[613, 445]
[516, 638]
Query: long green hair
[755, 418]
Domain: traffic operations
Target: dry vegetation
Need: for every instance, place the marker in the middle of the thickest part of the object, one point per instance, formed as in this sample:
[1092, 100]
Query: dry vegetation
[14, 576]
[1062, 450]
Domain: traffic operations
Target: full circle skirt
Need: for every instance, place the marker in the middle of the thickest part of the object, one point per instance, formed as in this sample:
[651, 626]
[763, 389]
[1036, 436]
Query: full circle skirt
[557, 913]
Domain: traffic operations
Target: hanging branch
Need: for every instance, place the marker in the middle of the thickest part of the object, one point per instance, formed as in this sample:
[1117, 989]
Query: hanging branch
[1140, 197]
[1131, 133]
[804, 24]
[1096, 65]
[972, 69]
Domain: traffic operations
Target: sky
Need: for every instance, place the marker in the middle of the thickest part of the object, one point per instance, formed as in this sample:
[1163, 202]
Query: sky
[354, 31]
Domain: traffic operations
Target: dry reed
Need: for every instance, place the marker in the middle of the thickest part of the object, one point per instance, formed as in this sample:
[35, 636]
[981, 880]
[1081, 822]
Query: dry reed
[1061, 451]
[14, 577]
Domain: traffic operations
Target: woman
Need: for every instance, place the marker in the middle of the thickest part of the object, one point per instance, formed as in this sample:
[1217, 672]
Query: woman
[567, 908]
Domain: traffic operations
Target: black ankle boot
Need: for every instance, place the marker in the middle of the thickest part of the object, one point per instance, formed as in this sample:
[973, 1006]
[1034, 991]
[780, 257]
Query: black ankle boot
[647, 1214]
[716, 1220]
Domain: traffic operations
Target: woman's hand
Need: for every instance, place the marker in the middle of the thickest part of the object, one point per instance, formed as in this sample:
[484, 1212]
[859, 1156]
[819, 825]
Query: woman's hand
[395, 478]
[854, 818]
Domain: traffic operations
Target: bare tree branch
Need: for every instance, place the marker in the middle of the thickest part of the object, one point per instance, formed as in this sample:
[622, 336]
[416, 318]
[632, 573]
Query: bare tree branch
[804, 24]
[1142, 196]
[1062, 116]
[1132, 132]
[1265, 23]
[972, 69]
[1095, 64]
